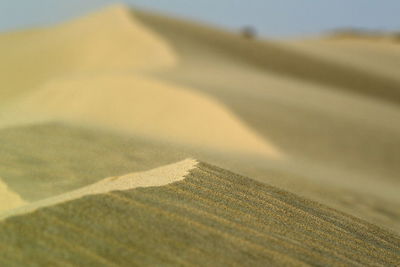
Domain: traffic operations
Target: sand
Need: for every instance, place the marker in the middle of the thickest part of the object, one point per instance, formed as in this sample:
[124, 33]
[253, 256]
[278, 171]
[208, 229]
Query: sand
[122, 92]
[211, 218]
[377, 56]
[109, 90]
[141, 106]
[157, 177]
[340, 141]
[8, 198]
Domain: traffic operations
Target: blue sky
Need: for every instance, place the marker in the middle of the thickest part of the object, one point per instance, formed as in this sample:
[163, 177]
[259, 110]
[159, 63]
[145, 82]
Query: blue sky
[272, 18]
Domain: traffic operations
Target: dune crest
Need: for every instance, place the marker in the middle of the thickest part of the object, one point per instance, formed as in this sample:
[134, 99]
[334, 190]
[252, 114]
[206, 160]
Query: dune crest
[113, 38]
[156, 177]
[211, 218]
[8, 199]
[110, 39]
[146, 107]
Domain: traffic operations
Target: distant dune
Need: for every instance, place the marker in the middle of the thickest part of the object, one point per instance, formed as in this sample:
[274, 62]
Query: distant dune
[154, 109]
[130, 95]
[97, 89]
[107, 40]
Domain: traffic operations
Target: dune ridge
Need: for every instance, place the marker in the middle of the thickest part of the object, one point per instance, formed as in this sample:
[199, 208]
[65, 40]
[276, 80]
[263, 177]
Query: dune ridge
[142, 106]
[156, 177]
[213, 217]
[271, 56]
[105, 86]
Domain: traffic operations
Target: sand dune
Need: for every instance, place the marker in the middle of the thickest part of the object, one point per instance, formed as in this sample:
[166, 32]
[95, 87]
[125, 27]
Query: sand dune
[104, 88]
[121, 91]
[333, 138]
[272, 57]
[106, 40]
[58, 158]
[144, 107]
[213, 217]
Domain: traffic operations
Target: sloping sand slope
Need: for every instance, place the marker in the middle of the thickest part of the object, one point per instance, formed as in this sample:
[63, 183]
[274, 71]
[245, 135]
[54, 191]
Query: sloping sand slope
[156, 177]
[211, 218]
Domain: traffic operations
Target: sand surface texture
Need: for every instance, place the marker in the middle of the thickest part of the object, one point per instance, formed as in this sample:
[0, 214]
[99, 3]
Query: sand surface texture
[231, 220]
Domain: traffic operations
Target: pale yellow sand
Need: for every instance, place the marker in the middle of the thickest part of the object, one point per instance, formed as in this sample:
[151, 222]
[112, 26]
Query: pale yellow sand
[103, 87]
[157, 177]
[9, 199]
[144, 107]
[108, 39]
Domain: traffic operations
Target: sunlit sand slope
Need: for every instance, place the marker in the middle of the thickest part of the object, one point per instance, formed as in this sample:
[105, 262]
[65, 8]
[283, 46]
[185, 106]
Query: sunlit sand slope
[104, 40]
[141, 106]
[211, 218]
[90, 71]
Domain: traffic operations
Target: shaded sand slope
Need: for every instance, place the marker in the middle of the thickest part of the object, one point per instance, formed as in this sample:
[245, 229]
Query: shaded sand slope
[313, 121]
[275, 58]
[104, 40]
[213, 217]
[379, 56]
[340, 148]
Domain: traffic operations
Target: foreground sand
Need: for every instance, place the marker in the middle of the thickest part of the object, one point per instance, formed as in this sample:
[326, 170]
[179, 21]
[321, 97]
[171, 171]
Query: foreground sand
[124, 92]
[212, 217]
[157, 177]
